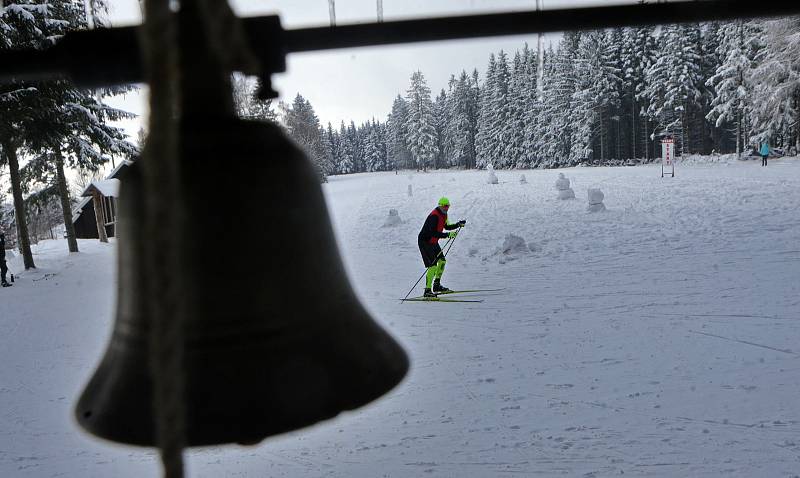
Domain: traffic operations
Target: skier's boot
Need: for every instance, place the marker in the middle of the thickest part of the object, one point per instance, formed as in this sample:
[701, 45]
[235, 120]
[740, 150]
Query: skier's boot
[428, 293]
[438, 288]
[5, 284]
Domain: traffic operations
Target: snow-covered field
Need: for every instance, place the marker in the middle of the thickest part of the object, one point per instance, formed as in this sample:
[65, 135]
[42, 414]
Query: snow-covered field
[656, 338]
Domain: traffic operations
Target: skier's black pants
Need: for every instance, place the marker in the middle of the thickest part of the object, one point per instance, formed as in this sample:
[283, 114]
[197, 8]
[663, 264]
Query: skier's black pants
[3, 270]
[763, 160]
[431, 253]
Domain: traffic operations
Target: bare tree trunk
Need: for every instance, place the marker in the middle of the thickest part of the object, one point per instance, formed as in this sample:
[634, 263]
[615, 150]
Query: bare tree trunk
[66, 209]
[602, 139]
[619, 137]
[683, 132]
[797, 124]
[738, 133]
[19, 206]
[633, 125]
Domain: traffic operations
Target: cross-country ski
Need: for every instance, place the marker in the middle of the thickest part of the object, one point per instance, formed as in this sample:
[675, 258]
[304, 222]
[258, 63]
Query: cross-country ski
[424, 298]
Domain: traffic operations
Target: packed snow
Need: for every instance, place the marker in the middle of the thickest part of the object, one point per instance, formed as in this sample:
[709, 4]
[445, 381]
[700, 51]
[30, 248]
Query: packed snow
[658, 338]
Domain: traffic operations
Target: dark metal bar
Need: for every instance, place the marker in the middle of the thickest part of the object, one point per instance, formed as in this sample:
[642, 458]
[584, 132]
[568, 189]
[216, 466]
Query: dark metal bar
[117, 60]
[451, 28]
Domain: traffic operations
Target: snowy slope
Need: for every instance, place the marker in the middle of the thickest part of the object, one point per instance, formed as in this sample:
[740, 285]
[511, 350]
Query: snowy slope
[656, 338]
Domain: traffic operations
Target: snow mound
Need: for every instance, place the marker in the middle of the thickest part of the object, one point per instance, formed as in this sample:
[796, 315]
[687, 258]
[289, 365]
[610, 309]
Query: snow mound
[513, 247]
[514, 244]
[393, 219]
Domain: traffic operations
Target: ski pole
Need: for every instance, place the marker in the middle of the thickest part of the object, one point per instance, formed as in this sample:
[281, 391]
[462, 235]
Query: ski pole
[451, 244]
[448, 245]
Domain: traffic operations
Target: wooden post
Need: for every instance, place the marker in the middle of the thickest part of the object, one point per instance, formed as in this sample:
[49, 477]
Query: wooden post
[100, 218]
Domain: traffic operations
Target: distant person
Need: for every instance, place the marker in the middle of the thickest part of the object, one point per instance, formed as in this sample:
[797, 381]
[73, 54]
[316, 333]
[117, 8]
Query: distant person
[764, 153]
[3, 267]
[428, 241]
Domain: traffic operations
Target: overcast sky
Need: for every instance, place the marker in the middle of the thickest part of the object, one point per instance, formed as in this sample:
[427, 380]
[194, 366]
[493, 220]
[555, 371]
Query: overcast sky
[361, 83]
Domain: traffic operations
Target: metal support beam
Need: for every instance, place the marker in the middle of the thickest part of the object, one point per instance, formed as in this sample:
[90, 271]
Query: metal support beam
[114, 54]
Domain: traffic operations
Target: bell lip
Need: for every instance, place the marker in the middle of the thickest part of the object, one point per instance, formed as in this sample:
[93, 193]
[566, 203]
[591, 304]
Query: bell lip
[114, 425]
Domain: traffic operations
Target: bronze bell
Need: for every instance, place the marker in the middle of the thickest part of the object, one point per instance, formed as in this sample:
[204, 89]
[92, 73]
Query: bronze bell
[276, 339]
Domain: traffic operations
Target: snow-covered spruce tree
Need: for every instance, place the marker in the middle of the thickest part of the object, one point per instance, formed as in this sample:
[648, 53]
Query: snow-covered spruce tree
[52, 123]
[674, 81]
[638, 54]
[484, 139]
[378, 133]
[346, 150]
[543, 136]
[397, 148]
[421, 124]
[474, 108]
[23, 24]
[383, 149]
[611, 105]
[597, 95]
[441, 115]
[303, 127]
[331, 141]
[356, 138]
[584, 116]
[738, 46]
[372, 148]
[534, 116]
[447, 123]
[471, 112]
[558, 111]
[518, 104]
[776, 85]
[248, 105]
[493, 120]
[460, 130]
[501, 129]
[704, 136]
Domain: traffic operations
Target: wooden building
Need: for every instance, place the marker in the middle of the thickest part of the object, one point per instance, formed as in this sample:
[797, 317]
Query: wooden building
[99, 201]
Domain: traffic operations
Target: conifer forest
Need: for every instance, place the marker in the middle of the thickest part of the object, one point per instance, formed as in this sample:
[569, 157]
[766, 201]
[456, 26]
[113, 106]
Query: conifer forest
[601, 97]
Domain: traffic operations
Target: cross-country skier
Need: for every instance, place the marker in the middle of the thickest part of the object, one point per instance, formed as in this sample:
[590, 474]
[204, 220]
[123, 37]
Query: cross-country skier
[428, 241]
[3, 267]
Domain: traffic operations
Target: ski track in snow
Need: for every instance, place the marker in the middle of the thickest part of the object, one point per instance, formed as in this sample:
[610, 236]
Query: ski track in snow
[657, 338]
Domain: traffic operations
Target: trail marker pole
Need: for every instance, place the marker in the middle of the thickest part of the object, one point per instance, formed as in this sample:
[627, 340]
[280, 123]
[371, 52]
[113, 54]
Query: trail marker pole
[668, 157]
